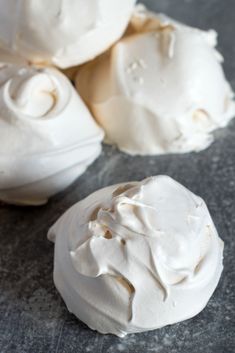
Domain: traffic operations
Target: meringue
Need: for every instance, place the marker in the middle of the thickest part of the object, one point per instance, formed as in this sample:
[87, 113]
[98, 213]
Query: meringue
[160, 89]
[137, 256]
[48, 137]
[65, 33]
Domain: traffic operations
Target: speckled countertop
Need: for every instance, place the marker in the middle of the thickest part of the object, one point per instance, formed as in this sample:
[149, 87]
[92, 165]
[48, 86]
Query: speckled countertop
[33, 318]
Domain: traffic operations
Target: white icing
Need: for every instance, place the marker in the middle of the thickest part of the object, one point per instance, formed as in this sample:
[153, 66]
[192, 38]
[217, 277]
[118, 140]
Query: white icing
[160, 89]
[136, 257]
[48, 137]
[65, 33]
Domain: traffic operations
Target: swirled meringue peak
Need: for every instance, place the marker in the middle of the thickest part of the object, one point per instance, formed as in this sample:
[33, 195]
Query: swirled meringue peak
[48, 137]
[65, 33]
[160, 89]
[138, 256]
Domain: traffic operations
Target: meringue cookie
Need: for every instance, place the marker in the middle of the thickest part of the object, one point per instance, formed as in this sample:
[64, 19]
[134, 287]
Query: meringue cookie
[160, 89]
[137, 256]
[65, 33]
[48, 137]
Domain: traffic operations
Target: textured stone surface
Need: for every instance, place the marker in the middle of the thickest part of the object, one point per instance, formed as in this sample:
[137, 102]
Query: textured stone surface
[33, 318]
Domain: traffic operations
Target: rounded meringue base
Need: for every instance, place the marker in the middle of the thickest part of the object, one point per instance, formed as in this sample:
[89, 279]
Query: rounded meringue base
[38, 193]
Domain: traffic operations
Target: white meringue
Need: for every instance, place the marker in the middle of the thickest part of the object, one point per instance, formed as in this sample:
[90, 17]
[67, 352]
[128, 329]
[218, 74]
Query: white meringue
[65, 33]
[48, 137]
[160, 89]
[136, 257]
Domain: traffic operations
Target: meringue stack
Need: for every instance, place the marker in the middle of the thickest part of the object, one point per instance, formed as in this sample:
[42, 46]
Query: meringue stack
[160, 89]
[137, 256]
[48, 137]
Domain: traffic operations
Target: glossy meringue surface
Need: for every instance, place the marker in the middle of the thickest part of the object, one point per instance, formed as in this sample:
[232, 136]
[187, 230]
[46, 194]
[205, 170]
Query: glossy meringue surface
[48, 137]
[65, 33]
[160, 89]
[137, 256]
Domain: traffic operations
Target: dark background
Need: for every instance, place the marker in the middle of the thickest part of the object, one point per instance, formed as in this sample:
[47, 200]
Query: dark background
[33, 318]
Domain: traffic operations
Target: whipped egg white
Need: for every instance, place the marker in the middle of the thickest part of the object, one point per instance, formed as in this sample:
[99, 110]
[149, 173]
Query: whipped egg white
[48, 137]
[60, 32]
[137, 256]
[160, 89]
